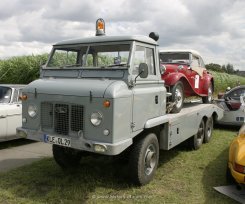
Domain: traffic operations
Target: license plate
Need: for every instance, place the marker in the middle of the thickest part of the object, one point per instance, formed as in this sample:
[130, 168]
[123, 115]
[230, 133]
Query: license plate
[57, 140]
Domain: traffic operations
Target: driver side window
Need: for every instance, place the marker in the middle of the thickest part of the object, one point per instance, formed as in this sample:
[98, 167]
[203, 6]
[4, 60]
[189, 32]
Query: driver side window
[144, 55]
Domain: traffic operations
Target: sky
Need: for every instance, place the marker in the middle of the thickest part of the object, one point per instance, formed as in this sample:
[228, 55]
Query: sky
[216, 28]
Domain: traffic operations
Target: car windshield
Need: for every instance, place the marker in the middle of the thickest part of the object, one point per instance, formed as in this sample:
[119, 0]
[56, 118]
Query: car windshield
[173, 57]
[5, 94]
[91, 56]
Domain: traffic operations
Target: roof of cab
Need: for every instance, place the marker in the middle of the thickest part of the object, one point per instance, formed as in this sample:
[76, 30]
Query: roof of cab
[101, 39]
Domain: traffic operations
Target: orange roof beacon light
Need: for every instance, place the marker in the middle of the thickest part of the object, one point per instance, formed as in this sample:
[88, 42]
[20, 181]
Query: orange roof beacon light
[100, 27]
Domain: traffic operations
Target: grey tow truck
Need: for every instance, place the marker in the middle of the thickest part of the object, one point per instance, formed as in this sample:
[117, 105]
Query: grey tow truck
[104, 94]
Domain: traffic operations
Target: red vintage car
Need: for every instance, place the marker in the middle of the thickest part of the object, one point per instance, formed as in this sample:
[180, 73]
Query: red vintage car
[186, 75]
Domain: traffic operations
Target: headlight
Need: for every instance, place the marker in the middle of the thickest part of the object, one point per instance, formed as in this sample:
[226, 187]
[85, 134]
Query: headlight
[32, 111]
[96, 118]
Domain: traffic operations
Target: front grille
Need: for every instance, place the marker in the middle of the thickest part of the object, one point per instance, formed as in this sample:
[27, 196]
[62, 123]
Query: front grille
[76, 118]
[62, 118]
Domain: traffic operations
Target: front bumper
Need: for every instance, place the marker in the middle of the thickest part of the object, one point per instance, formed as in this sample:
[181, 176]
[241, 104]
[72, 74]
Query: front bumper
[79, 143]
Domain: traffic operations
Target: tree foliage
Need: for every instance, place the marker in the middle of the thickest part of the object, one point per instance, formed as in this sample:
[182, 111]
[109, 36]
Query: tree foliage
[229, 68]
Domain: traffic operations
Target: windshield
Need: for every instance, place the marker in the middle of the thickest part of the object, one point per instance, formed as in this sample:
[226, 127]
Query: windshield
[5, 94]
[175, 58]
[92, 56]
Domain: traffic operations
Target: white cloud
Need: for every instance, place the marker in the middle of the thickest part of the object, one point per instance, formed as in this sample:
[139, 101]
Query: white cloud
[214, 28]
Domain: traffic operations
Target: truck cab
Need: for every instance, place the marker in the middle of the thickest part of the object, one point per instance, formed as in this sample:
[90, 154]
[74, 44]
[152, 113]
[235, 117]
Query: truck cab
[92, 94]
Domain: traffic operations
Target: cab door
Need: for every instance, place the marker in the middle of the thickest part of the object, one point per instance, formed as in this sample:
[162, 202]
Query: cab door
[148, 93]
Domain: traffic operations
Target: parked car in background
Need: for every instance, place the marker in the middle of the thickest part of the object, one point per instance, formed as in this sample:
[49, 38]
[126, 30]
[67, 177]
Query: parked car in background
[186, 75]
[233, 103]
[10, 111]
[236, 162]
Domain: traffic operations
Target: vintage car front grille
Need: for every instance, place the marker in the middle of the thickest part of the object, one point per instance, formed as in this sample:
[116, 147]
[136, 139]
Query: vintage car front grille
[62, 118]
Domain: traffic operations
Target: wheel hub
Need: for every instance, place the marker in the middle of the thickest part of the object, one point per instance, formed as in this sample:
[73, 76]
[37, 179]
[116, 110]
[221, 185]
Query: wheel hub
[150, 159]
[178, 97]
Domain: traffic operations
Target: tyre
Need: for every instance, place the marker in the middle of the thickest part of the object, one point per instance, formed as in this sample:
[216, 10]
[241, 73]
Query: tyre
[208, 129]
[197, 140]
[177, 97]
[209, 97]
[66, 157]
[143, 159]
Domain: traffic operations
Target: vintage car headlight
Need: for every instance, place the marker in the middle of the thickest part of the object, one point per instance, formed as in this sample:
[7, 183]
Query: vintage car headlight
[96, 118]
[32, 110]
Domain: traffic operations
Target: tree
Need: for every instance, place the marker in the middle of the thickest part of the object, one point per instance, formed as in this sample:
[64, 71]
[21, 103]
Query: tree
[230, 68]
[214, 67]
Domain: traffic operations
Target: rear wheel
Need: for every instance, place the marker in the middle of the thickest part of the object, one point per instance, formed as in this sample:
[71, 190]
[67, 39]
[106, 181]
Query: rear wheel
[208, 129]
[177, 97]
[144, 158]
[209, 97]
[197, 140]
[66, 157]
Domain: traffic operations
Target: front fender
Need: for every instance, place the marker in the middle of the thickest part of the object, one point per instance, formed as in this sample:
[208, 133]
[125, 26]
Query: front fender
[172, 78]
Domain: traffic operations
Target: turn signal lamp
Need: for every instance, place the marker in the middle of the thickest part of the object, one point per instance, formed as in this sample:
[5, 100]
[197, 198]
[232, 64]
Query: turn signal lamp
[23, 97]
[100, 27]
[106, 104]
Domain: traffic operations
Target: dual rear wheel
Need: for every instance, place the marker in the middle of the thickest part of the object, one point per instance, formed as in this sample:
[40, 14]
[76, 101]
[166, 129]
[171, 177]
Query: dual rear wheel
[203, 134]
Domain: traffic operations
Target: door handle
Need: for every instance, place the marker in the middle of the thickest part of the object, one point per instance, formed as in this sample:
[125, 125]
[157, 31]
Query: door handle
[156, 99]
[3, 116]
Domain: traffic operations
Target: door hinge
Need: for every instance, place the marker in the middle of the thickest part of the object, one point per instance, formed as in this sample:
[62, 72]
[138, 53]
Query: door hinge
[132, 125]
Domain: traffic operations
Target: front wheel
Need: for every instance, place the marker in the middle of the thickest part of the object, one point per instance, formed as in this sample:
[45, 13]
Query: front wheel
[209, 97]
[144, 158]
[66, 157]
[177, 97]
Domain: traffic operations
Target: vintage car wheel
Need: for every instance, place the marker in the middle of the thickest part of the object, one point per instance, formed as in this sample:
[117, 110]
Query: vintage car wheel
[143, 159]
[208, 129]
[209, 97]
[177, 97]
[66, 157]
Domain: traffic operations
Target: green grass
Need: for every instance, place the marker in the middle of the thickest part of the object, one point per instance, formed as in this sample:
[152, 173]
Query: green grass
[183, 176]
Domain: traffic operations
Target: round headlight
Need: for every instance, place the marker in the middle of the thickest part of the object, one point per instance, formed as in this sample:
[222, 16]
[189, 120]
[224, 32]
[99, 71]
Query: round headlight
[96, 118]
[32, 111]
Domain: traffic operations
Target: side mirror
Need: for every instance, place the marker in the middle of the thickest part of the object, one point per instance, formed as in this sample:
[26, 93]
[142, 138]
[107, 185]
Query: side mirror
[143, 70]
